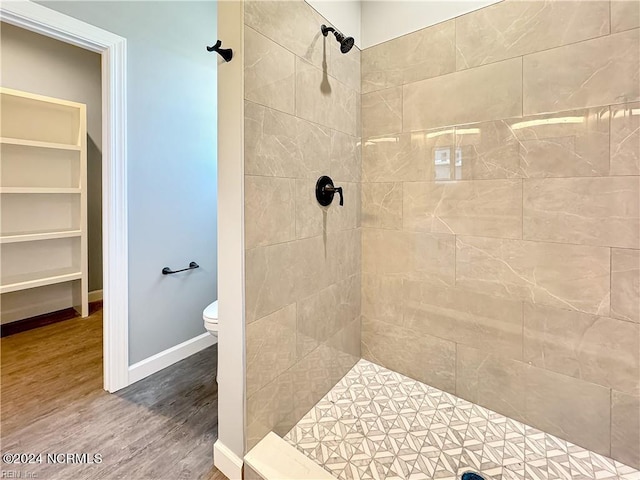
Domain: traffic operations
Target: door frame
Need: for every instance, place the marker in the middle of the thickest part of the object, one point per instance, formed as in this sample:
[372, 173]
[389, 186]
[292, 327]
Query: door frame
[113, 51]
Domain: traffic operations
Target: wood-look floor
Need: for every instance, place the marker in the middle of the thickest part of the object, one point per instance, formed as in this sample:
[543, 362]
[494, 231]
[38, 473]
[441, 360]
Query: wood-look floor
[52, 401]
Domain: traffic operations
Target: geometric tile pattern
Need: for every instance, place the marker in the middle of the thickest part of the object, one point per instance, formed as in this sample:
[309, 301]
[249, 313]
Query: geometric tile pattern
[378, 424]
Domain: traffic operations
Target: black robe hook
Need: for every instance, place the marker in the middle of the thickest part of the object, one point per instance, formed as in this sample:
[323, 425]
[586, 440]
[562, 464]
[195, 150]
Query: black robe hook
[225, 53]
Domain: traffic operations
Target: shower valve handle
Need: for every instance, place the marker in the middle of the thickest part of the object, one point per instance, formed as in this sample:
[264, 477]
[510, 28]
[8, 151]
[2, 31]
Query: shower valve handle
[325, 191]
[331, 189]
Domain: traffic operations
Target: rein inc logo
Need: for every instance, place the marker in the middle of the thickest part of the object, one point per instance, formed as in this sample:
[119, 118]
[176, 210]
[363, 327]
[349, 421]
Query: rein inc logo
[17, 474]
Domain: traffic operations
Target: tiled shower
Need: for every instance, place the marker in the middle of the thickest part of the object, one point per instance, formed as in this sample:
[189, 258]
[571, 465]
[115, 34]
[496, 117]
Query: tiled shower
[489, 244]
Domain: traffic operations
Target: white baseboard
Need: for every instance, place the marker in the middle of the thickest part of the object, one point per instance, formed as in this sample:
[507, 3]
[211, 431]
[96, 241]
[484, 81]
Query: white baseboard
[168, 357]
[226, 461]
[95, 296]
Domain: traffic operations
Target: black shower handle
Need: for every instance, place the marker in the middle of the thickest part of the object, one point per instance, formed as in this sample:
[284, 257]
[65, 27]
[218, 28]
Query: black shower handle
[325, 190]
[331, 189]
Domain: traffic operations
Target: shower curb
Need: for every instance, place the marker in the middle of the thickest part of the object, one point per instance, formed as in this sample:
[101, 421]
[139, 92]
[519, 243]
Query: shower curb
[275, 459]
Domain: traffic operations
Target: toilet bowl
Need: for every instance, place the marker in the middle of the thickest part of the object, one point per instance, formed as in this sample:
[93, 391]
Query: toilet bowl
[210, 317]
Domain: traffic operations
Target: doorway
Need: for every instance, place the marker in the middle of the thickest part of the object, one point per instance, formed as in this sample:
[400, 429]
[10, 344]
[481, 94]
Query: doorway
[112, 50]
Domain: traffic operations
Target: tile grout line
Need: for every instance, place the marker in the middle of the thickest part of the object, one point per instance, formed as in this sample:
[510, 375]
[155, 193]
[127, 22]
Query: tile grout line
[522, 310]
[610, 412]
[439, 181]
[522, 208]
[610, 124]
[610, 278]
[522, 86]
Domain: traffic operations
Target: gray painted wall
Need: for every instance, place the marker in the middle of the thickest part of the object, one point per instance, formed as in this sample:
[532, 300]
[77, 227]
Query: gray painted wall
[39, 64]
[172, 162]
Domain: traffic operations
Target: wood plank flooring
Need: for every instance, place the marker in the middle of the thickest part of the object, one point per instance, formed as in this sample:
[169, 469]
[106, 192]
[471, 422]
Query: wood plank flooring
[52, 401]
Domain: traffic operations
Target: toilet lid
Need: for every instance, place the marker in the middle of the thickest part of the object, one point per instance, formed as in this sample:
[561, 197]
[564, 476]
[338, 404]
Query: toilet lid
[210, 314]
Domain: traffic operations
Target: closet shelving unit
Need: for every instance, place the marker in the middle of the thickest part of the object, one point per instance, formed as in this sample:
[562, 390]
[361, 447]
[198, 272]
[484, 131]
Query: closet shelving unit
[43, 198]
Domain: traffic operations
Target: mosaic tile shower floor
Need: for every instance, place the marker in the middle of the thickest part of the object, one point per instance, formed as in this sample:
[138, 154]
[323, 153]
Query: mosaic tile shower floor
[379, 424]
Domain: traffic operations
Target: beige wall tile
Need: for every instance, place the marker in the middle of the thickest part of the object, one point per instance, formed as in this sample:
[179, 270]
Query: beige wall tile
[417, 256]
[490, 207]
[278, 275]
[359, 116]
[293, 24]
[590, 211]
[398, 349]
[281, 145]
[270, 409]
[427, 53]
[269, 72]
[346, 344]
[625, 139]
[322, 99]
[625, 14]
[345, 157]
[625, 428]
[311, 217]
[470, 318]
[382, 205]
[567, 276]
[345, 67]
[326, 312]
[569, 408]
[314, 375]
[347, 216]
[625, 284]
[596, 349]
[313, 266]
[490, 92]
[313, 143]
[564, 144]
[513, 28]
[382, 112]
[480, 374]
[270, 279]
[270, 143]
[343, 252]
[347, 308]
[382, 298]
[270, 347]
[404, 157]
[486, 150]
[269, 210]
[601, 71]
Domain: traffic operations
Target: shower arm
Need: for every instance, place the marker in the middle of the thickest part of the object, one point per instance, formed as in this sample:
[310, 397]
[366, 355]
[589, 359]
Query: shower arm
[325, 30]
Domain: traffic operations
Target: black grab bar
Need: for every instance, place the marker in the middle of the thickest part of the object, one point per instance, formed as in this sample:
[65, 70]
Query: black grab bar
[168, 271]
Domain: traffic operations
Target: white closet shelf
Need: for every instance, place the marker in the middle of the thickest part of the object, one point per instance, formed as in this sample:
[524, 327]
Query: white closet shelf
[34, 143]
[25, 281]
[43, 191]
[42, 235]
[38, 190]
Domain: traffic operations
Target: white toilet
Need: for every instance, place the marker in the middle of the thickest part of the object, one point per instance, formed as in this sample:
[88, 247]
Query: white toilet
[210, 317]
